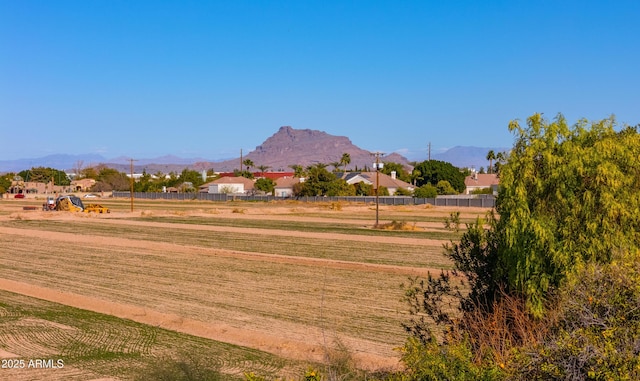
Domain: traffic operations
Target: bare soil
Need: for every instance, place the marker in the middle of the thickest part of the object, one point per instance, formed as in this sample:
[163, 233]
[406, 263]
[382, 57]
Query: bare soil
[218, 314]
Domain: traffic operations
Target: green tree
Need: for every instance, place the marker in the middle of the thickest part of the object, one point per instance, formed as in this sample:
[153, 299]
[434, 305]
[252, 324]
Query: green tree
[445, 188]
[363, 189]
[403, 192]
[191, 176]
[317, 181]
[568, 197]
[5, 182]
[501, 157]
[109, 179]
[265, 184]
[90, 172]
[340, 187]
[433, 171]
[383, 191]
[44, 175]
[298, 170]
[247, 174]
[551, 285]
[399, 169]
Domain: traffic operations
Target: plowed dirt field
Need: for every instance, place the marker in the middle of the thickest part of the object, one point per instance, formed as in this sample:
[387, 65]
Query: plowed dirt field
[293, 280]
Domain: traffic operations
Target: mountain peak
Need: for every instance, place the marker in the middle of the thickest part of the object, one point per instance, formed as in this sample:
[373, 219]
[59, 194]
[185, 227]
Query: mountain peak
[290, 146]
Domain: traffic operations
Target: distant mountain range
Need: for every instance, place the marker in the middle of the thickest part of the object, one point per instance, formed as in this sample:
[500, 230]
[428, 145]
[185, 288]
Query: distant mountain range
[286, 147]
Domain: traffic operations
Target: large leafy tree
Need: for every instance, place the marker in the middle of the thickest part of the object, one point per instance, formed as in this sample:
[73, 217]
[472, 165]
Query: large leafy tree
[265, 185]
[44, 175]
[191, 176]
[434, 171]
[570, 196]
[110, 179]
[399, 169]
[318, 181]
[5, 182]
[568, 204]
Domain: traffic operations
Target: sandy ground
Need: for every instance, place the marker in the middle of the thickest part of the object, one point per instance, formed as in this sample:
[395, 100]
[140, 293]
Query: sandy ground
[267, 340]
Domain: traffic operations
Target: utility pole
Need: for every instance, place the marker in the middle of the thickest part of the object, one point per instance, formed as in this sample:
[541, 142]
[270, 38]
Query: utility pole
[378, 166]
[241, 160]
[131, 192]
[429, 151]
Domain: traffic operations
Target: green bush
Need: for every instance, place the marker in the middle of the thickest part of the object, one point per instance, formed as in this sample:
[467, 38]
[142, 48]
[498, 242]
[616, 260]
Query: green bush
[432, 361]
[597, 336]
[426, 191]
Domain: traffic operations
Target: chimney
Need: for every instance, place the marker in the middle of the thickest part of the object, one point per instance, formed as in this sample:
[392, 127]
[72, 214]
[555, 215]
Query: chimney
[393, 175]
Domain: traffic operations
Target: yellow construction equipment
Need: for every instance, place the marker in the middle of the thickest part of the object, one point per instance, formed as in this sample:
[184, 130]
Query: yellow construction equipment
[72, 203]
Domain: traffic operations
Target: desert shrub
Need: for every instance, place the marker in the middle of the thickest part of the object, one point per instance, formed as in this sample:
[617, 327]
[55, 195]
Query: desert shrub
[398, 225]
[543, 294]
[336, 206]
[430, 361]
[597, 335]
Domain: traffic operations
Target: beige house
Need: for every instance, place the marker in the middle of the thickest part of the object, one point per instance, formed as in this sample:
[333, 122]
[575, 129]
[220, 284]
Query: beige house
[231, 185]
[31, 187]
[390, 182]
[477, 181]
[284, 186]
[82, 185]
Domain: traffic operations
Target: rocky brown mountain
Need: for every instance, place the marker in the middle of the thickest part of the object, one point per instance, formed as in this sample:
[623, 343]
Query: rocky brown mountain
[289, 146]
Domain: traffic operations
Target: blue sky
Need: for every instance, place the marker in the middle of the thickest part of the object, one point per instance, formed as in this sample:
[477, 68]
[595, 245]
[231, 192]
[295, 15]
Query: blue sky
[207, 78]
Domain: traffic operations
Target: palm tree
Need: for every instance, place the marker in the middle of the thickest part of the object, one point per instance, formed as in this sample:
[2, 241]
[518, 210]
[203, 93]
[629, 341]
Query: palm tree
[298, 170]
[345, 160]
[501, 157]
[491, 156]
[335, 165]
[263, 168]
[248, 163]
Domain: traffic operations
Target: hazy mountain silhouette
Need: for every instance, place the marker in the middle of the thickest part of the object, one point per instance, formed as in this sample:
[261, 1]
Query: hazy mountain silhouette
[288, 146]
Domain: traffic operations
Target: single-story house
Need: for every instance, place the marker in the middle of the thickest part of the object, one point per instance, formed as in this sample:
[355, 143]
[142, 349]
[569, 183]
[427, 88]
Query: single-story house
[82, 185]
[284, 186]
[392, 183]
[32, 187]
[477, 181]
[232, 184]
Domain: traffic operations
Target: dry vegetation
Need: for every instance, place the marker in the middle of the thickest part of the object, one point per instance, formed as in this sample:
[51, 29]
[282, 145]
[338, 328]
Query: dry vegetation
[284, 281]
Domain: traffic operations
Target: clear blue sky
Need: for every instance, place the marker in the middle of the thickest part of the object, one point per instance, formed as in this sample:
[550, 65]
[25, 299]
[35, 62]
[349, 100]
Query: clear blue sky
[207, 78]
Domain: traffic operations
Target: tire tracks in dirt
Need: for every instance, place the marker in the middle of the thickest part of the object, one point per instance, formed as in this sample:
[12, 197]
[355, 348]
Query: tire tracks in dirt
[215, 331]
[161, 247]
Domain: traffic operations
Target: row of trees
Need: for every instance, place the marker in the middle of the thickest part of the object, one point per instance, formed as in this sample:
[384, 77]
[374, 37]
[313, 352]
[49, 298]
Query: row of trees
[430, 177]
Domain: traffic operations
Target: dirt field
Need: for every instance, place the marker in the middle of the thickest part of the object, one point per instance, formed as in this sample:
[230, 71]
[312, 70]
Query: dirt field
[290, 279]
